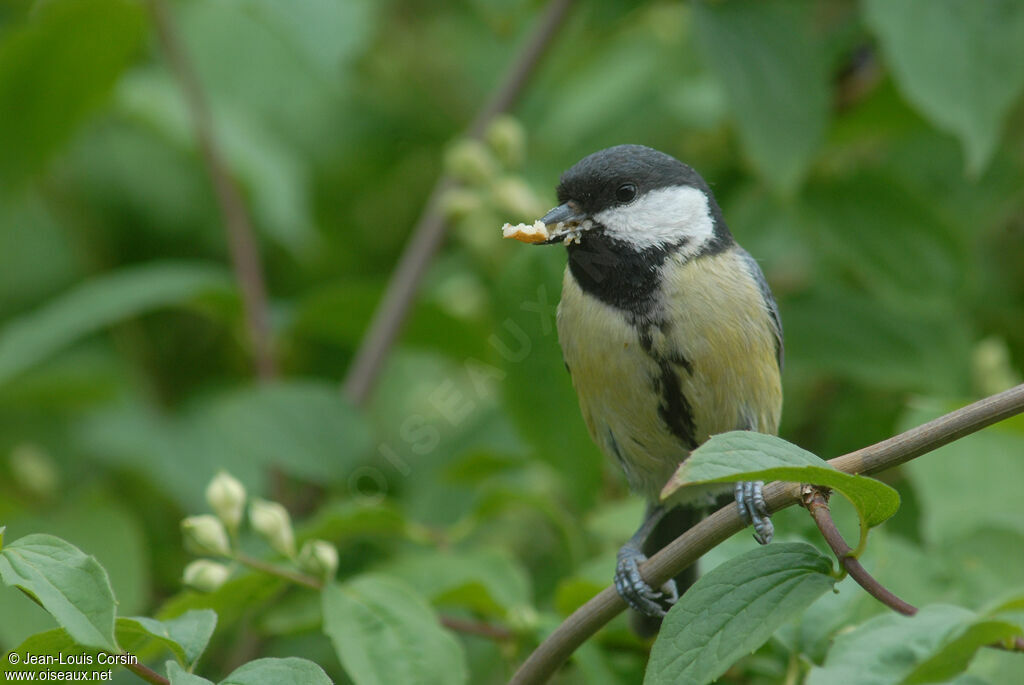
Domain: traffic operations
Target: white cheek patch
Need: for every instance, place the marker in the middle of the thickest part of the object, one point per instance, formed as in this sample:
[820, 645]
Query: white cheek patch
[662, 217]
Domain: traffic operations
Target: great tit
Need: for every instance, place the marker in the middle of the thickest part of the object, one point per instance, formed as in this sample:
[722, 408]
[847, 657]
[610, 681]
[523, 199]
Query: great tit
[670, 334]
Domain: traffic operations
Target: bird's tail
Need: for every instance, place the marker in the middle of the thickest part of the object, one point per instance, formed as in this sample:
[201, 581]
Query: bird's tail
[675, 523]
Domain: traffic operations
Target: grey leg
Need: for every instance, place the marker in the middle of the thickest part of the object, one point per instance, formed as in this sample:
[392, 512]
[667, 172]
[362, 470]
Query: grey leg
[628, 582]
[750, 500]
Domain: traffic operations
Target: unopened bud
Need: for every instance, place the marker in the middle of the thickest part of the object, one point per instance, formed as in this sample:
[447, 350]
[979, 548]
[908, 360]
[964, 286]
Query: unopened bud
[512, 195]
[319, 558]
[205, 535]
[458, 202]
[271, 520]
[507, 138]
[33, 469]
[226, 496]
[205, 575]
[470, 161]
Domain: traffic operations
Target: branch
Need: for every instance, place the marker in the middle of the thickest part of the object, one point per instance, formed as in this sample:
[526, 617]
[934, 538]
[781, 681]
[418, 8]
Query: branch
[430, 228]
[147, 674]
[816, 502]
[245, 257]
[691, 545]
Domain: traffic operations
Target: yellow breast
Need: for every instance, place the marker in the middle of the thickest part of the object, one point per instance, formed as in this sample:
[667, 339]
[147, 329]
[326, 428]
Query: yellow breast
[701, 361]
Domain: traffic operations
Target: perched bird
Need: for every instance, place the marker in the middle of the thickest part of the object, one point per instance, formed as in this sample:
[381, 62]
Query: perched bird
[670, 334]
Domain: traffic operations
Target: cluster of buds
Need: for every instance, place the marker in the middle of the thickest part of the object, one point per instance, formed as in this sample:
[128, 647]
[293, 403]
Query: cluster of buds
[490, 190]
[214, 535]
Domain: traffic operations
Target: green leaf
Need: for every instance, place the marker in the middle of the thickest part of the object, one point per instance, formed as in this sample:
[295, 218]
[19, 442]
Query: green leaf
[775, 78]
[69, 584]
[734, 609]
[99, 523]
[55, 70]
[102, 301]
[932, 646]
[958, 61]
[745, 455]
[489, 581]
[50, 642]
[179, 676]
[275, 671]
[373, 618]
[186, 636]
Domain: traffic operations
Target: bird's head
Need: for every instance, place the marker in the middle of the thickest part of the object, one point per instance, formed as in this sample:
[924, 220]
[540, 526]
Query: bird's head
[638, 199]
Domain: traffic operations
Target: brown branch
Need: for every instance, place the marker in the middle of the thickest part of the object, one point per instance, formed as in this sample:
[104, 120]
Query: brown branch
[430, 228]
[691, 545]
[816, 502]
[478, 628]
[245, 257]
[147, 674]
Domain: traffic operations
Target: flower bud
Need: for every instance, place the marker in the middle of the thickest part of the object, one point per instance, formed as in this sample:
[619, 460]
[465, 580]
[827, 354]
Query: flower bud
[319, 558]
[271, 520]
[507, 138]
[205, 575]
[470, 161]
[226, 496]
[511, 194]
[205, 535]
[33, 469]
[458, 202]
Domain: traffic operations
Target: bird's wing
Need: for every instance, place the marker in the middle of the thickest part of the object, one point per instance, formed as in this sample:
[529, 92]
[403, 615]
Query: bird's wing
[769, 301]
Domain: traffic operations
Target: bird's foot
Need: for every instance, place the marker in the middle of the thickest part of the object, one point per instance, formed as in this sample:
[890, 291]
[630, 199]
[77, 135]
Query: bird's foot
[750, 500]
[634, 589]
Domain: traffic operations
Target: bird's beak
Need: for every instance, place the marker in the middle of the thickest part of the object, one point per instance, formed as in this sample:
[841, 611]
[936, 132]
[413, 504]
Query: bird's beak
[565, 223]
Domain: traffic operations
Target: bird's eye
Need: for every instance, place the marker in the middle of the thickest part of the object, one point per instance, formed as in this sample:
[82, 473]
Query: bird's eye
[625, 193]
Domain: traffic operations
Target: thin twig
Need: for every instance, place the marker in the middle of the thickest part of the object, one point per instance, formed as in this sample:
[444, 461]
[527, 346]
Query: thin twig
[817, 504]
[430, 228]
[691, 545]
[245, 257]
[478, 628]
[296, 577]
[147, 674]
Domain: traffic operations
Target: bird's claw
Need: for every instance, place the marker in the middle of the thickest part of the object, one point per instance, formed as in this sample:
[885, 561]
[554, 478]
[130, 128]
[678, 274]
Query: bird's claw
[750, 500]
[634, 589]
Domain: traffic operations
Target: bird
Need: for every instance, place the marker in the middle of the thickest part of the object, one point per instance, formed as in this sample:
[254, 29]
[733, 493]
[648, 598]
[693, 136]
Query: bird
[670, 334]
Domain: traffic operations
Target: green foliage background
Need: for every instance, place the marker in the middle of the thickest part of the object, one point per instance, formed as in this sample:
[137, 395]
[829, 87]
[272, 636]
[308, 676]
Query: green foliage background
[869, 154]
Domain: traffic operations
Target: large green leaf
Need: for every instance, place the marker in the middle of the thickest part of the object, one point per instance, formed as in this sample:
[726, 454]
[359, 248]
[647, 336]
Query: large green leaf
[960, 62]
[933, 646]
[50, 642]
[100, 302]
[746, 455]
[272, 671]
[55, 70]
[775, 77]
[186, 636]
[69, 584]
[384, 633]
[179, 676]
[734, 609]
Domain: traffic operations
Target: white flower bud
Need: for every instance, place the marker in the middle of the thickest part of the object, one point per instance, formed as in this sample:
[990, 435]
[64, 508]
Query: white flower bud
[205, 535]
[271, 520]
[205, 575]
[226, 496]
[319, 558]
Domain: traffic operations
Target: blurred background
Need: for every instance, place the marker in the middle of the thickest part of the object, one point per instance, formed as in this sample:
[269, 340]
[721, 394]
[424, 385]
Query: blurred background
[869, 154]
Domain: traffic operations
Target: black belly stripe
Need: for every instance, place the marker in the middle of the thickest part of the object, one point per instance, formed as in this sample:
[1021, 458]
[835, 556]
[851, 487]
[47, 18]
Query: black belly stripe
[674, 409]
